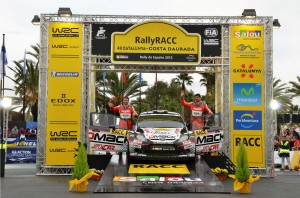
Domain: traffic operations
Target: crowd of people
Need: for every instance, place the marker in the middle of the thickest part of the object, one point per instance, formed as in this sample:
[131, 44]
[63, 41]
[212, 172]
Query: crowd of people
[21, 132]
[284, 142]
[291, 135]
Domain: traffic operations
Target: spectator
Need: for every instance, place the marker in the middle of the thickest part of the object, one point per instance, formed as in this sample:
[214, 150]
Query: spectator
[27, 132]
[296, 145]
[33, 132]
[14, 132]
[284, 153]
[22, 133]
[276, 142]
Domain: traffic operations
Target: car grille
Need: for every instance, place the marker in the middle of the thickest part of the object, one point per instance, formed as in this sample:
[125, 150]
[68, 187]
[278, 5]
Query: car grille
[162, 150]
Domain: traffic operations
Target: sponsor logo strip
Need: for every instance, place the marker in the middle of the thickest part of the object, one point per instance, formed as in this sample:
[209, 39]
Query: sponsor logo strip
[159, 180]
[158, 169]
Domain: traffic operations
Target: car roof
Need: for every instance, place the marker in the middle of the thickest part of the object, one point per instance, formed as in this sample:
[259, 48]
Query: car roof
[159, 112]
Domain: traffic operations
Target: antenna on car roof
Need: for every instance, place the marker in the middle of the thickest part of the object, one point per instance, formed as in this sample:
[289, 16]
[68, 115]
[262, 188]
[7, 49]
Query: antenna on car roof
[160, 111]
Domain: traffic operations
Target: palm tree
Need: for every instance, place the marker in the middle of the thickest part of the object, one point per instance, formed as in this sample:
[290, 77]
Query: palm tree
[28, 83]
[295, 87]
[281, 96]
[208, 80]
[183, 77]
[115, 87]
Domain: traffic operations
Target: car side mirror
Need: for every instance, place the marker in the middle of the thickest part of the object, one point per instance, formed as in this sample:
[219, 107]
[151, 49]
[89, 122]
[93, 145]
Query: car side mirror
[206, 127]
[113, 127]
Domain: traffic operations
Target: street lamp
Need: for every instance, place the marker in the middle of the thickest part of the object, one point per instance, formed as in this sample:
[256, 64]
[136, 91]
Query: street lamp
[36, 20]
[276, 24]
[249, 13]
[274, 106]
[64, 12]
[4, 103]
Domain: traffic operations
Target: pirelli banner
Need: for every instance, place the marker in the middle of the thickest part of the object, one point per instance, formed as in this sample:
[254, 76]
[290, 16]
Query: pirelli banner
[247, 95]
[156, 39]
[64, 92]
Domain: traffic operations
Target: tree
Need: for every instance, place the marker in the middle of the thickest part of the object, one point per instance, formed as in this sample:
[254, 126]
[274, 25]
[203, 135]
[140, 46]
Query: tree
[183, 77]
[28, 83]
[242, 171]
[282, 97]
[115, 88]
[81, 167]
[295, 87]
[208, 80]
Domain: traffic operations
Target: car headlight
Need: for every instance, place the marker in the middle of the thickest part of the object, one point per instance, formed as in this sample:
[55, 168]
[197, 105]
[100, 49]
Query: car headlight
[183, 138]
[141, 137]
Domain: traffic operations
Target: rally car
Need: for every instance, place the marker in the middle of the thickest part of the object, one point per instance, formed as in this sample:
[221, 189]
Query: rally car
[161, 135]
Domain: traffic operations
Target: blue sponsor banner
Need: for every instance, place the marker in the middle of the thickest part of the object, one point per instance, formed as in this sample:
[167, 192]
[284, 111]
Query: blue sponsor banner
[30, 125]
[247, 120]
[247, 94]
[28, 141]
[23, 154]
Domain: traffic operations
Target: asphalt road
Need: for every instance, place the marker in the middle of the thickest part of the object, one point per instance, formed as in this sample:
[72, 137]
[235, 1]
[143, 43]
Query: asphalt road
[20, 181]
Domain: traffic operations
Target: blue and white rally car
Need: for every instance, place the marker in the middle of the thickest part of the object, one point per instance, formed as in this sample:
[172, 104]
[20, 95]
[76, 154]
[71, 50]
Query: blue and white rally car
[161, 135]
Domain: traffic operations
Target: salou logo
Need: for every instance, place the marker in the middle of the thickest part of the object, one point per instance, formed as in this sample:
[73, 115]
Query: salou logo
[100, 33]
[247, 94]
[247, 120]
[247, 33]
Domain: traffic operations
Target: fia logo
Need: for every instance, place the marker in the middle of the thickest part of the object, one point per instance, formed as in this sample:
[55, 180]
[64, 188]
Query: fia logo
[100, 33]
[211, 32]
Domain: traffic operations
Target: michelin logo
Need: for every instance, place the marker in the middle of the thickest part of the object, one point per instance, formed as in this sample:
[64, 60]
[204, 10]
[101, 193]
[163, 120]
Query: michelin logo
[100, 33]
[64, 74]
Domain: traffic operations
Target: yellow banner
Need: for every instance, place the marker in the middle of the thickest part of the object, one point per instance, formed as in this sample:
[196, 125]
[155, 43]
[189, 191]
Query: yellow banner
[64, 92]
[254, 143]
[247, 53]
[158, 168]
[248, 87]
[156, 42]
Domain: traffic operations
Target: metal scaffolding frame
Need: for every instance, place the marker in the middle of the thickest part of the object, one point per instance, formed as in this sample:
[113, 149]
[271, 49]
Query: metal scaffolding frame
[93, 63]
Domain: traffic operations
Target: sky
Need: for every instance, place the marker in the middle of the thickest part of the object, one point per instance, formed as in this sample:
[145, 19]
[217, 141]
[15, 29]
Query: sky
[20, 34]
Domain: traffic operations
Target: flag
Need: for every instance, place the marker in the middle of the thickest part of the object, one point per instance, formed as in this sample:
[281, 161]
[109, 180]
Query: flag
[183, 86]
[24, 66]
[124, 77]
[140, 78]
[182, 92]
[3, 61]
[104, 73]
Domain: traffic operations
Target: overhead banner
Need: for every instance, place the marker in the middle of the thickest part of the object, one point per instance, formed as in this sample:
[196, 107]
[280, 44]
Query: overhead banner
[247, 79]
[210, 37]
[64, 92]
[155, 42]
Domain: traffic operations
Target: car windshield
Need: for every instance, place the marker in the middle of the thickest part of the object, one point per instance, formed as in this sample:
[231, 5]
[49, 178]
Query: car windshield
[158, 121]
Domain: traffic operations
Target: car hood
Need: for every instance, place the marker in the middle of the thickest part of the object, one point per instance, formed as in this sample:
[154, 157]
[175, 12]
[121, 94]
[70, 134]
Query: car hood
[162, 134]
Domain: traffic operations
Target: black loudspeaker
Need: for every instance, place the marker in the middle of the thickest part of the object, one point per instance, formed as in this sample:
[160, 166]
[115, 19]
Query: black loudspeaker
[280, 118]
[98, 162]
[220, 160]
[286, 118]
[295, 118]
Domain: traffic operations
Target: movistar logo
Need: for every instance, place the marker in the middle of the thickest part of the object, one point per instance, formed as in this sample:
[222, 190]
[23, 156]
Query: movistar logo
[244, 92]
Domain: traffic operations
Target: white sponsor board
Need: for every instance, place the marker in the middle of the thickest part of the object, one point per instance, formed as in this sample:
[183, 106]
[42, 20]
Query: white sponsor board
[209, 142]
[105, 141]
